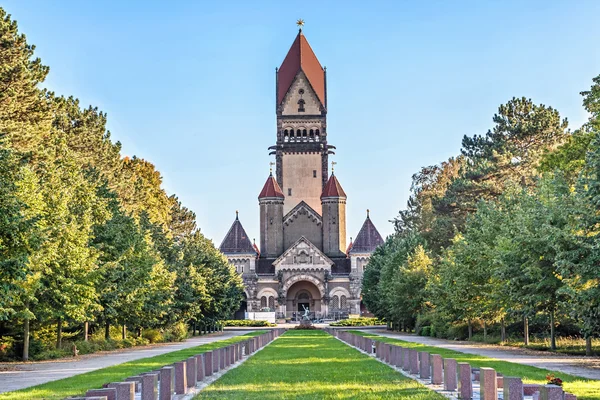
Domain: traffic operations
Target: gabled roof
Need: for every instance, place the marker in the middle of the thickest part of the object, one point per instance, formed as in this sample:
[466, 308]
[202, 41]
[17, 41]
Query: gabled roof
[302, 208]
[271, 189]
[368, 238]
[302, 245]
[333, 188]
[236, 241]
[301, 57]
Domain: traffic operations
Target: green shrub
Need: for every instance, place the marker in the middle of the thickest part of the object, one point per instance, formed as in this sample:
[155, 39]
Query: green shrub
[458, 331]
[176, 332]
[51, 354]
[359, 322]
[153, 335]
[425, 331]
[247, 322]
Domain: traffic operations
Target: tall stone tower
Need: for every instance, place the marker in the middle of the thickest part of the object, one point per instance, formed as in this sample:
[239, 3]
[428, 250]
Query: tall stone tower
[333, 201]
[270, 201]
[301, 150]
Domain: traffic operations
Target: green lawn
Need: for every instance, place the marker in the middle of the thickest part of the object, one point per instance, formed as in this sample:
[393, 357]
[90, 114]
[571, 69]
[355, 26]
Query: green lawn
[79, 384]
[314, 365]
[586, 389]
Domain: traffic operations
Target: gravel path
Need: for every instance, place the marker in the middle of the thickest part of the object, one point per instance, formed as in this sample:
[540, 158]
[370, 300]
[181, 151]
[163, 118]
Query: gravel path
[14, 376]
[587, 367]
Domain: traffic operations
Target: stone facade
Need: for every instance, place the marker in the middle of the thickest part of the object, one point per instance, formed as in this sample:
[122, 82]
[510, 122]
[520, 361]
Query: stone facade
[303, 261]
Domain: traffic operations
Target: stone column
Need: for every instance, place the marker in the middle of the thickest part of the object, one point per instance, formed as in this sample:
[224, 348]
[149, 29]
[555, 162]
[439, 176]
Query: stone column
[180, 377]
[513, 388]
[450, 374]
[109, 393]
[166, 383]
[465, 385]
[200, 363]
[551, 392]
[125, 390]
[413, 357]
[436, 369]
[208, 363]
[488, 385]
[190, 368]
[424, 365]
[149, 387]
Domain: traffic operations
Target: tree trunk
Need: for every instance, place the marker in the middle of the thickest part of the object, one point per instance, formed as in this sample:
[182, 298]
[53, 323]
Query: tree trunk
[59, 333]
[484, 331]
[107, 330]
[470, 329]
[526, 331]
[552, 332]
[86, 327]
[124, 332]
[503, 330]
[194, 329]
[26, 340]
[588, 346]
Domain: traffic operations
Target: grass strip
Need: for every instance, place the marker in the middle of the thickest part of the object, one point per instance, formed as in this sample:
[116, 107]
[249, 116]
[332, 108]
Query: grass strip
[585, 389]
[314, 365]
[79, 384]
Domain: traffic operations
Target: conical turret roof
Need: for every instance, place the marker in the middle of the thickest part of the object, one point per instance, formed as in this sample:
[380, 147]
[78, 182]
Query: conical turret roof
[333, 188]
[367, 239]
[271, 189]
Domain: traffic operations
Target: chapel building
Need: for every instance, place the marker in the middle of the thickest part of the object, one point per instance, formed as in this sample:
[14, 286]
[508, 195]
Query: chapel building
[303, 260]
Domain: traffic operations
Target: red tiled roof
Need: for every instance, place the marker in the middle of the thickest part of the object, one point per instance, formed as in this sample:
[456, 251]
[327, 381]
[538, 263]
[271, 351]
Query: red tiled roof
[271, 189]
[333, 188]
[301, 57]
[368, 238]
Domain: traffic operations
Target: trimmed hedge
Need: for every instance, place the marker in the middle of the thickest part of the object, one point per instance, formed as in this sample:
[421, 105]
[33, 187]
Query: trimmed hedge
[247, 322]
[358, 322]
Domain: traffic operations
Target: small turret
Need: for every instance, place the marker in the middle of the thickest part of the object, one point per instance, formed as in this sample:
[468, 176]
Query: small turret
[270, 201]
[333, 203]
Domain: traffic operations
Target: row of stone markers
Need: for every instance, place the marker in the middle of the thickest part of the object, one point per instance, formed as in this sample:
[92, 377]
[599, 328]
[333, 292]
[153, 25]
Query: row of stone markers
[449, 377]
[182, 380]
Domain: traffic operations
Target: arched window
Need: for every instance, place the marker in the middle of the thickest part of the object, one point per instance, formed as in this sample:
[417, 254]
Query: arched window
[303, 297]
[304, 133]
[343, 302]
[272, 303]
[311, 133]
[335, 303]
[301, 105]
[298, 133]
[317, 132]
[263, 302]
[285, 133]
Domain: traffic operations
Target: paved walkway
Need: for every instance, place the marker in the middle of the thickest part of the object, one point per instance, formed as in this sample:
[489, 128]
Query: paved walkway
[587, 367]
[14, 376]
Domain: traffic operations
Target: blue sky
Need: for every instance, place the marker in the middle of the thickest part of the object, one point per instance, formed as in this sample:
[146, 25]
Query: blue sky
[190, 85]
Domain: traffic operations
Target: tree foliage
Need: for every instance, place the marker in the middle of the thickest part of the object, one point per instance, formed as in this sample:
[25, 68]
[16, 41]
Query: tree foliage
[88, 235]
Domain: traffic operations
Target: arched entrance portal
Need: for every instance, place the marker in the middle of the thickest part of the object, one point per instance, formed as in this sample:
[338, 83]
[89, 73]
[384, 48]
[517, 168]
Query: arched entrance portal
[301, 295]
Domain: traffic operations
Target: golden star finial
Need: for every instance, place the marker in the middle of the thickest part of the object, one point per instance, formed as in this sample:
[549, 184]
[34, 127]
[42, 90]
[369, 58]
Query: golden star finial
[300, 23]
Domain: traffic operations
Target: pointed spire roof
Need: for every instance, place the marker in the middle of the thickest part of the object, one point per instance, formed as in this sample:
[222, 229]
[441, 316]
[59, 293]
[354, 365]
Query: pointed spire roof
[368, 238]
[271, 188]
[236, 241]
[333, 188]
[301, 57]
